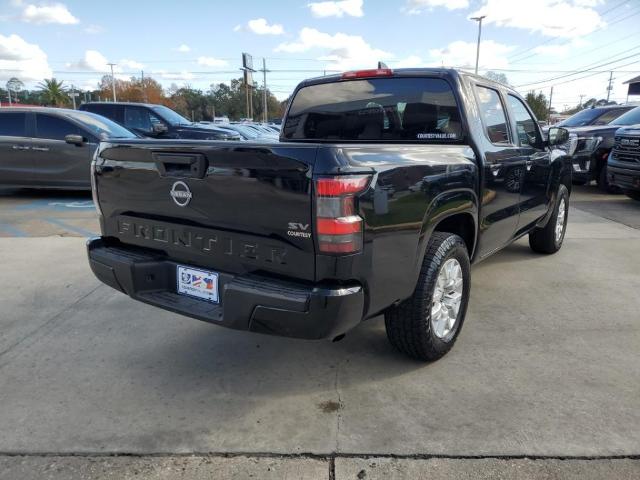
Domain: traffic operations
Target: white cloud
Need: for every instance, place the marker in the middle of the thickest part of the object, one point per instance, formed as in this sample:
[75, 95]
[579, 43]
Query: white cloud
[94, 29]
[260, 26]
[553, 18]
[130, 64]
[414, 7]
[94, 61]
[463, 54]
[339, 8]
[183, 48]
[24, 60]
[341, 51]
[212, 62]
[553, 50]
[412, 61]
[53, 13]
[237, 28]
[184, 75]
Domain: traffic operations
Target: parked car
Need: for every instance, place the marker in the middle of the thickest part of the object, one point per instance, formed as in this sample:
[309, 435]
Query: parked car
[594, 143]
[51, 147]
[595, 116]
[310, 236]
[247, 133]
[624, 161]
[156, 121]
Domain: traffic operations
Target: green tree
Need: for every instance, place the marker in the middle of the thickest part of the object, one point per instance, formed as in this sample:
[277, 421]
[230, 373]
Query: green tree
[497, 77]
[539, 104]
[53, 92]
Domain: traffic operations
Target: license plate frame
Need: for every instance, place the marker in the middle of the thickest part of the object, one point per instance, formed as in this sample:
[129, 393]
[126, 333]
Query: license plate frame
[197, 283]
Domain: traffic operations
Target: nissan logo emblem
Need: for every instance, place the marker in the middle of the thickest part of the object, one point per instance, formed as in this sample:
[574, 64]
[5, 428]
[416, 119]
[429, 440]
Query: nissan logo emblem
[181, 194]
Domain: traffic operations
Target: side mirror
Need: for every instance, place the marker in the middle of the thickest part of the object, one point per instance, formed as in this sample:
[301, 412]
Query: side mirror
[558, 135]
[73, 139]
[159, 128]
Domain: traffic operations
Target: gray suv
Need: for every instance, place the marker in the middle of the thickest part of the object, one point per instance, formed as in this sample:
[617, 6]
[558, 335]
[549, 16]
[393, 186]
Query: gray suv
[51, 147]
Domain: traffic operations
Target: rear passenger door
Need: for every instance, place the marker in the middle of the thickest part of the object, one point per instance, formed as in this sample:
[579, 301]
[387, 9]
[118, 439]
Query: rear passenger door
[58, 163]
[534, 193]
[503, 171]
[16, 162]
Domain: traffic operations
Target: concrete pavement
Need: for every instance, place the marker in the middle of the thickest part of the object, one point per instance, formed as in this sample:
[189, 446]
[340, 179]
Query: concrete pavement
[546, 365]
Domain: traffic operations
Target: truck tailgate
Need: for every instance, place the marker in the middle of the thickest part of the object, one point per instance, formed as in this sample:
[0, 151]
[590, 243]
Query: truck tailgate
[224, 206]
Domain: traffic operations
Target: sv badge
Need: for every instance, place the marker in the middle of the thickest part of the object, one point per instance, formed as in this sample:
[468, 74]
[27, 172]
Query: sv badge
[298, 230]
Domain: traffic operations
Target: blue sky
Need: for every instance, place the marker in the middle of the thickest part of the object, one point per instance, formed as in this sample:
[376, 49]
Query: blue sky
[200, 42]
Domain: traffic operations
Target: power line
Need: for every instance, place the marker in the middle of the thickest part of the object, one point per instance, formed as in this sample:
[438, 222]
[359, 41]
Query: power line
[616, 21]
[580, 71]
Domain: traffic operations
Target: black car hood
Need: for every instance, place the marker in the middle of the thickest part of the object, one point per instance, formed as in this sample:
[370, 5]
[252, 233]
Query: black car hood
[594, 130]
[631, 130]
[204, 130]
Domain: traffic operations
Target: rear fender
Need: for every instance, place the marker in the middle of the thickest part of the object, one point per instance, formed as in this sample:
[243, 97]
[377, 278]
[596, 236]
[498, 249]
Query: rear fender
[445, 205]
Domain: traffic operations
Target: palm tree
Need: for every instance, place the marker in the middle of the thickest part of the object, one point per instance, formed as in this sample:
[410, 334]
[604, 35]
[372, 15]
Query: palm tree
[53, 92]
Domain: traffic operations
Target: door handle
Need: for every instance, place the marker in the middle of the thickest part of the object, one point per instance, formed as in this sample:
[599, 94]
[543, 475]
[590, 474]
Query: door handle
[40, 149]
[19, 147]
[528, 164]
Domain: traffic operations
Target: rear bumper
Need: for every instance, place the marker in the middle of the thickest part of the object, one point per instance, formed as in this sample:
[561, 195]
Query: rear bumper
[625, 175]
[247, 302]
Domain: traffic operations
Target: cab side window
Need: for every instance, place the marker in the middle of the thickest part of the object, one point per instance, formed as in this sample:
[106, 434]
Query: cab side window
[493, 115]
[526, 125]
[13, 124]
[54, 128]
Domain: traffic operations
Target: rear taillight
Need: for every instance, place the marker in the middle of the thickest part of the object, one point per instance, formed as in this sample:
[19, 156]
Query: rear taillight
[338, 226]
[94, 187]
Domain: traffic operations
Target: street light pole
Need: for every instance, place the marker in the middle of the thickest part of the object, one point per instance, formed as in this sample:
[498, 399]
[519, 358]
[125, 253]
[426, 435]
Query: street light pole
[479, 20]
[113, 81]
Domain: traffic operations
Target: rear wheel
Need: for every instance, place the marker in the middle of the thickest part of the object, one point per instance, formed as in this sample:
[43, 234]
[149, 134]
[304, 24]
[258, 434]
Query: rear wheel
[426, 325]
[549, 238]
[634, 194]
[603, 181]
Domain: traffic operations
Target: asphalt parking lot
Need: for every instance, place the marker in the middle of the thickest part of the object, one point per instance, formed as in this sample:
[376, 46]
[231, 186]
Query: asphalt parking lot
[544, 381]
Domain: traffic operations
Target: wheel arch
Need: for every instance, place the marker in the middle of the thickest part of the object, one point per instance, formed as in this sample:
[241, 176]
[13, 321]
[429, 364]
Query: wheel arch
[455, 212]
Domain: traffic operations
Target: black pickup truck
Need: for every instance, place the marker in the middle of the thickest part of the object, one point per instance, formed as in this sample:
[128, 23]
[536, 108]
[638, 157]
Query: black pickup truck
[594, 144]
[385, 186]
[624, 161]
[157, 121]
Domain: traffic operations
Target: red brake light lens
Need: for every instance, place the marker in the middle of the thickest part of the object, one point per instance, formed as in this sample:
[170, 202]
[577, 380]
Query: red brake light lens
[374, 72]
[338, 227]
[338, 186]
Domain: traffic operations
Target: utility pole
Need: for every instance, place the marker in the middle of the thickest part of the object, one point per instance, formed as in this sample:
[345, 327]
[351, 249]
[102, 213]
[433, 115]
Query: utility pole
[144, 90]
[581, 97]
[113, 81]
[264, 92]
[73, 96]
[9, 94]
[609, 88]
[479, 20]
[550, 100]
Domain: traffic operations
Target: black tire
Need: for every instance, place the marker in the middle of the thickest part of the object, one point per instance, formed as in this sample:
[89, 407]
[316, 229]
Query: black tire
[603, 182]
[633, 194]
[408, 325]
[543, 240]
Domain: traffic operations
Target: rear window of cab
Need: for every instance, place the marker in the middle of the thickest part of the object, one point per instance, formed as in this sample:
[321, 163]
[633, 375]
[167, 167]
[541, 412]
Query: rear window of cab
[407, 109]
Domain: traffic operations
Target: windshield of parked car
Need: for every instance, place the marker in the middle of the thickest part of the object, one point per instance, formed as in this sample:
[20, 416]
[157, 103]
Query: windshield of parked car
[102, 127]
[174, 118]
[632, 117]
[375, 109]
[582, 118]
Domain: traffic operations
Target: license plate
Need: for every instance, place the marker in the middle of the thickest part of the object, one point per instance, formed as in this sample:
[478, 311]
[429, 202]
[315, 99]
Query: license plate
[198, 283]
